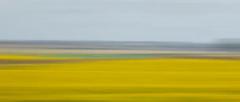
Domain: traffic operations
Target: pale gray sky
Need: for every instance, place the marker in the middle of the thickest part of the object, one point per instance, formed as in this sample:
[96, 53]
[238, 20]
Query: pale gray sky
[131, 20]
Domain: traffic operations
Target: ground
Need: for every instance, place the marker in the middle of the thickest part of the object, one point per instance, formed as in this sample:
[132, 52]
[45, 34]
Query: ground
[120, 80]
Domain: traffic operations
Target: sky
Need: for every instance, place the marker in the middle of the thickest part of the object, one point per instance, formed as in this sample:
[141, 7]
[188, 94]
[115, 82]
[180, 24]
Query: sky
[120, 20]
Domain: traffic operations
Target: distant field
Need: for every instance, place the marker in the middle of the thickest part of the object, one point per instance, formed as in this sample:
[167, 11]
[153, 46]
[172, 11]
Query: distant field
[120, 80]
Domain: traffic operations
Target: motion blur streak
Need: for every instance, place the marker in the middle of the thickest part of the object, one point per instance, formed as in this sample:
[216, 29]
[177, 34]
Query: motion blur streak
[119, 72]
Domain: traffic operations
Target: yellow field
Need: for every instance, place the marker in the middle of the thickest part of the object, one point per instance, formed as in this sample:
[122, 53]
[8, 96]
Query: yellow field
[146, 80]
[18, 57]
